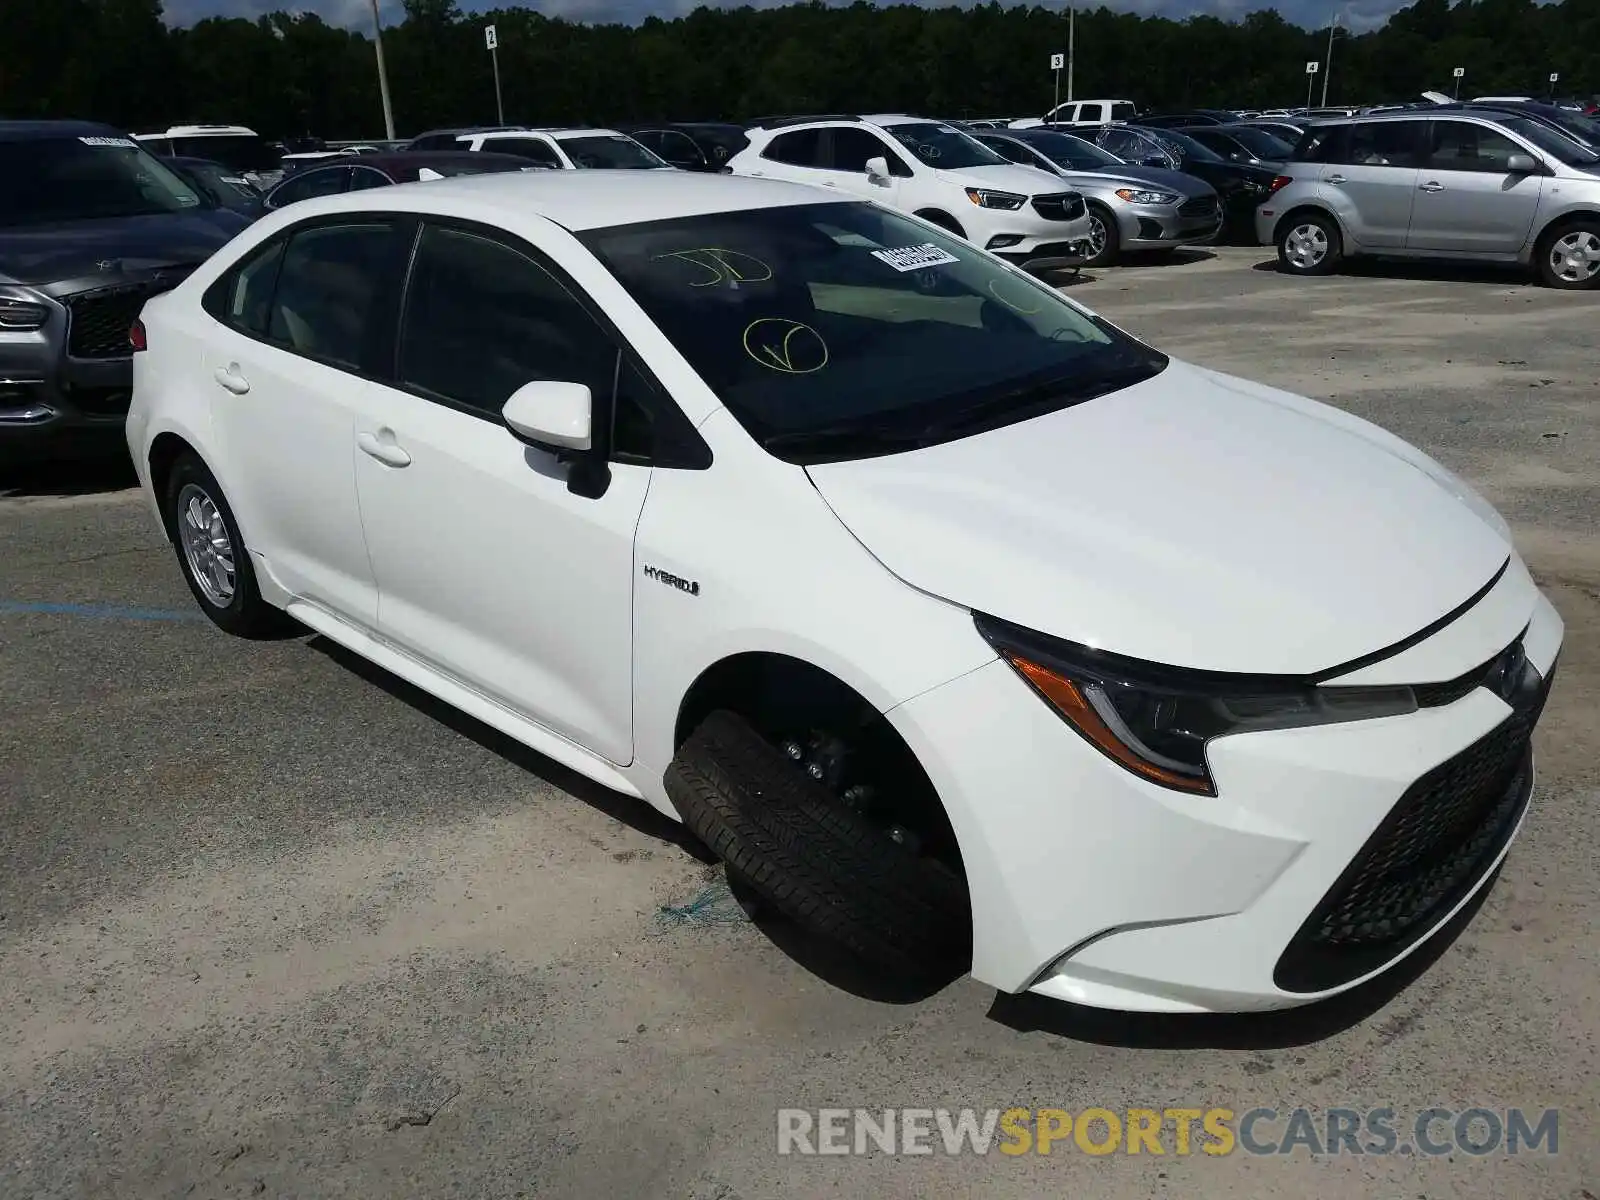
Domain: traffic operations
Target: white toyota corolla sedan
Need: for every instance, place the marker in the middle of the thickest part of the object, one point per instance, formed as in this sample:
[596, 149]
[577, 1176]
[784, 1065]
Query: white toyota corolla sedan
[963, 626]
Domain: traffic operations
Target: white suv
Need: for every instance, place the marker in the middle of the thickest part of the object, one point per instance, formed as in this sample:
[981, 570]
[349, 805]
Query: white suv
[568, 149]
[933, 171]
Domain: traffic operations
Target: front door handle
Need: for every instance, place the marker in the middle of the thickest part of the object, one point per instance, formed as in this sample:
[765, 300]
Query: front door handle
[1431, 186]
[383, 447]
[1335, 179]
[230, 378]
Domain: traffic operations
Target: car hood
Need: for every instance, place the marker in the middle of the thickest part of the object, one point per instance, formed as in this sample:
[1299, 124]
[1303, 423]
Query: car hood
[1194, 520]
[1140, 177]
[1004, 177]
[40, 254]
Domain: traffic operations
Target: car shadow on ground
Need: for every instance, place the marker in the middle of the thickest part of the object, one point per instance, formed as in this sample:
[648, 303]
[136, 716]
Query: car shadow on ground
[627, 809]
[78, 476]
[1495, 274]
[1184, 256]
[1275, 1030]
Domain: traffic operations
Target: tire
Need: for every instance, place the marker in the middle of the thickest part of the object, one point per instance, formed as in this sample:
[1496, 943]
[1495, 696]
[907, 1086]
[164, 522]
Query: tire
[944, 221]
[1309, 244]
[212, 555]
[1111, 249]
[789, 840]
[1568, 255]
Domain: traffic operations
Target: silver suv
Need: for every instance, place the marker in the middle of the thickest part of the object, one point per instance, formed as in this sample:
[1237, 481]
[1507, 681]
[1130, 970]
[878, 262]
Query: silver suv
[1489, 187]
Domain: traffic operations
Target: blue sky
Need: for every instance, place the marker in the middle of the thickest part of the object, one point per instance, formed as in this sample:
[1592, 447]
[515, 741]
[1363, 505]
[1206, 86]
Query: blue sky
[1359, 15]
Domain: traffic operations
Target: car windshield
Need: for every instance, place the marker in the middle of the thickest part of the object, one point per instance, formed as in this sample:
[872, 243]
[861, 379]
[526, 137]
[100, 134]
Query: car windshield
[943, 145]
[1552, 141]
[1184, 146]
[610, 151]
[240, 151]
[843, 330]
[1261, 144]
[83, 179]
[1069, 151]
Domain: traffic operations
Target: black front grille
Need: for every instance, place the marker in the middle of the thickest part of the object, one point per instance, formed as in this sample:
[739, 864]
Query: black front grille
[1068, 206]
[1434, 845]
[1200, 206]
[98, 321]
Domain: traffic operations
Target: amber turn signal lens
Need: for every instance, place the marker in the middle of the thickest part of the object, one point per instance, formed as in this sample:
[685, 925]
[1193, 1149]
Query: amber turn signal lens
[1068, 699]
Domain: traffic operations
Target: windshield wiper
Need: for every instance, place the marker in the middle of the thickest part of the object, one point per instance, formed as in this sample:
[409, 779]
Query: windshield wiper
[847, 437]
[1023, 402]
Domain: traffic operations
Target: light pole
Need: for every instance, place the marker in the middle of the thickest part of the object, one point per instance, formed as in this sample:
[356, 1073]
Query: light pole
[1328, 70]
[1072, 45]
[383, 74]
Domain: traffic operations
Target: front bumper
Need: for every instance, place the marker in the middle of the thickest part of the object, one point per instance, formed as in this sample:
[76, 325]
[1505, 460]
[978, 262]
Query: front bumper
[1092, 886]
[1162, 227]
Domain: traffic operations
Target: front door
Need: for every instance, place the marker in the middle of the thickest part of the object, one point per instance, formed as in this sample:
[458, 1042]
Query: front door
[283, 368]
[848, 152]
[488, 567]
[1468, 201]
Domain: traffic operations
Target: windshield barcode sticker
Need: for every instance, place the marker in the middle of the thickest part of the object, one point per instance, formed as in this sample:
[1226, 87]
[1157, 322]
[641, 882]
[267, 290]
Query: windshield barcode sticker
[108, 141]
[915, 258]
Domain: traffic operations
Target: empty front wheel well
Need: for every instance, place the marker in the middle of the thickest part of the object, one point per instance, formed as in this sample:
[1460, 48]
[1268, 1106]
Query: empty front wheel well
[1580, 216]
[787, 699]
[942, 219]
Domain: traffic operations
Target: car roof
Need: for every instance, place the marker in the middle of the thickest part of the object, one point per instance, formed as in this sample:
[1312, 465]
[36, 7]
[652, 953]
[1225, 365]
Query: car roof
[414, 160]
[579, 200]
[28, 131]
[201, 131]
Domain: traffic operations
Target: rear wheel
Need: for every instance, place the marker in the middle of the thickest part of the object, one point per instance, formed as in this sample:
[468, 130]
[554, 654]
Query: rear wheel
[215, 563]
[1569, 255]
[1105, 242]
[1309, 244]
[817, 856]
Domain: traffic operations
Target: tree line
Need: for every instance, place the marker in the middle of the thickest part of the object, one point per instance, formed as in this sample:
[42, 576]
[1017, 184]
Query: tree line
[287, 75]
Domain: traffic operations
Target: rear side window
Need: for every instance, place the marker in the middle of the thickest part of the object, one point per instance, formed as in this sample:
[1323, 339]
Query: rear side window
[1381, 144]
[535, 150]
[325, 181]
[243, 299]
[1123, 110]
[802, 148]
[329, 284]
[367, 177]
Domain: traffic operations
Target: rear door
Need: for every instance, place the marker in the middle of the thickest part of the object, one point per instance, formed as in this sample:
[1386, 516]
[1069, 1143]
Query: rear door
[297, 328]
[795, 154]
[1468, 201]
[1370, 173]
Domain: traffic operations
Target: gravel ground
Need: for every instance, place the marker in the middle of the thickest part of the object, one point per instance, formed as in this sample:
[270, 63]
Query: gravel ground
[273, 923]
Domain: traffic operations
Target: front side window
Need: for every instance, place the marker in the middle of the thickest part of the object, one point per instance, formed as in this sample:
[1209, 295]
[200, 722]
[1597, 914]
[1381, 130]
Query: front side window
[942, 146]
[1558, 145]
[85, 179]
[838, 331]
[362, 178]
[328, 287]
[1262, 144]
[482, 319]
[324, 181]
[679, 149]
[853, 147]
[1463, 146]
[610, 152]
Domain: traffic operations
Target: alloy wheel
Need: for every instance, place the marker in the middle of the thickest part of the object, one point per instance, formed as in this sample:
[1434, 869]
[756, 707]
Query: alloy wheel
[207, 548]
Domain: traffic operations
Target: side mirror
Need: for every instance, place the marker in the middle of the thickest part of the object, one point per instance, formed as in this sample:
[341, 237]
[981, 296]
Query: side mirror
[878, 171]
[1523, 164]
[550, 415]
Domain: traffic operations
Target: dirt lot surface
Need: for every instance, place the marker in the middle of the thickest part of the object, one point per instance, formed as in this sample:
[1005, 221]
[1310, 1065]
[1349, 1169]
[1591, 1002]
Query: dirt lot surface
[273, 923]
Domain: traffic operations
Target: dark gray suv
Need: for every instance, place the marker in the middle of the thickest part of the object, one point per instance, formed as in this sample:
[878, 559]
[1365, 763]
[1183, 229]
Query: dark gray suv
[1489, 187]
[91, 226]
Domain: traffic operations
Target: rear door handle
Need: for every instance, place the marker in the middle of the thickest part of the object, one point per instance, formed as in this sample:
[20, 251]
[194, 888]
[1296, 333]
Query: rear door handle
[1431, 186]
[1335, 178]
[383, 447]
[230, 378]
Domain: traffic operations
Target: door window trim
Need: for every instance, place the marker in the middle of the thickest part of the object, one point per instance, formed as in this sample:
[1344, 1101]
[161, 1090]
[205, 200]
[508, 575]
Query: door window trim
[1426, 161]
[677, 444]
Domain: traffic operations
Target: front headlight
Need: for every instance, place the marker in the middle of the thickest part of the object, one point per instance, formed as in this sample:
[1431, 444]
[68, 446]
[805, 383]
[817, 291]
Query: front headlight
[1155, 721]
[22, 315]
[988, 198]
[1135, 196]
